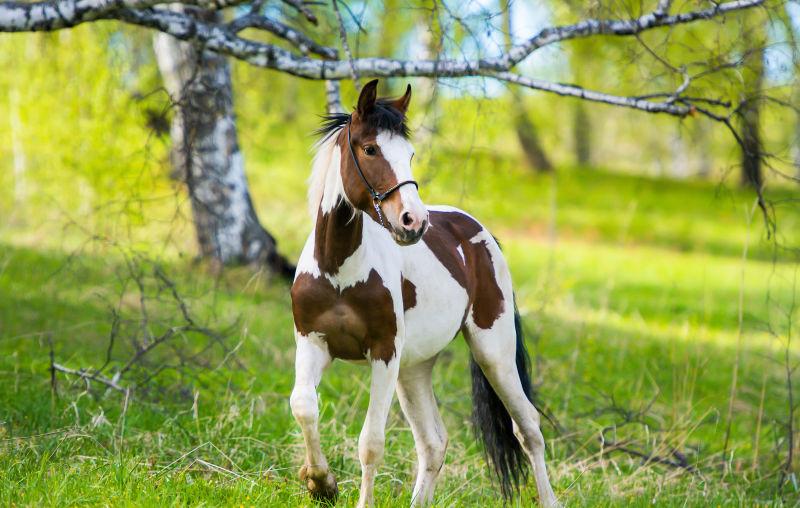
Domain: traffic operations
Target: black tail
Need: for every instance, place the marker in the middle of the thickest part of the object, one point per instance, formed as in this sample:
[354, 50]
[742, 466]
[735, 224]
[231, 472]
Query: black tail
[492, 423]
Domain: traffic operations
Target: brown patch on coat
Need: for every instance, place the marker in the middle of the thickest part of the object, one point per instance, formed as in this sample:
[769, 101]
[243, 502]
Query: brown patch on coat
[376, 168]
[357, 322]
[337, 235]
[475, 272]
[409, 294]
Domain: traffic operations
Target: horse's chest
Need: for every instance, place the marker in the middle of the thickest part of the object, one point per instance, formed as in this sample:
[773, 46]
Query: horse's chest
[356, 322]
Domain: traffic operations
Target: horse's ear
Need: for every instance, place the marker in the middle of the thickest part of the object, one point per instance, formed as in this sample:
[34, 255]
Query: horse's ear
[366, 101]
[402, 103]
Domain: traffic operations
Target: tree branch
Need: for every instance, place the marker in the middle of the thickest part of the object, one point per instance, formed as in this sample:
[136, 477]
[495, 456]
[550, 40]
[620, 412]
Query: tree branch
[47, 16]
[345, 45]
[667, 106]
[621, 27]
[300, 40]
[55, 14]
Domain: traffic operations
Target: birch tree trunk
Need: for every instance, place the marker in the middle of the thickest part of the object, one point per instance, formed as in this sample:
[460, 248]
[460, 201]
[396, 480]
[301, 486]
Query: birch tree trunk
[754, 38]
[702, 142]
[581, 59]
[797, 137]
[582, 135]
[527, 132]
[794, 39]
[680, 155]
[206, 156]
[528, 136]
[426, 91]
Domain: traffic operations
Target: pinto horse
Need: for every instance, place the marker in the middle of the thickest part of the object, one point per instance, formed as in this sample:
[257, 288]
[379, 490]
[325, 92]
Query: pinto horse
[387, 282]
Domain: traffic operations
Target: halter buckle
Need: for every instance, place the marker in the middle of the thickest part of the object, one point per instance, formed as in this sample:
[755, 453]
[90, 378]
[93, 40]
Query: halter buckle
[376, 203]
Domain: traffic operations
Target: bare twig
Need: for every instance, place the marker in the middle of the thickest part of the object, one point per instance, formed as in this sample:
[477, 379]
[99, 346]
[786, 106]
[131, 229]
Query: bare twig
[53, 378]
[89, 376]
[115, 322]
[160, 275]
[678, 461]
[301, 7]
[345, 44]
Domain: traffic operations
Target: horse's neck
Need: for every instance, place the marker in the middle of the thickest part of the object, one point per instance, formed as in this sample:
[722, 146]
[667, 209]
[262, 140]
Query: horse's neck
[337, 236]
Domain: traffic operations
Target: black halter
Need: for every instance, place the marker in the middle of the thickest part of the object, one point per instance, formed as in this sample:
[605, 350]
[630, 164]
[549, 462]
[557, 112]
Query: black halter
[377, 197]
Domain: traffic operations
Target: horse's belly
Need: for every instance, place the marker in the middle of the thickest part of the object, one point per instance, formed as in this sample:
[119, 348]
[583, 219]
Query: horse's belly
[426, 338]
[438, 311]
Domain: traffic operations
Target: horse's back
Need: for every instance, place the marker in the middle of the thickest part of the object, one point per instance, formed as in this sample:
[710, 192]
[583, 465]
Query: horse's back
[458, 276]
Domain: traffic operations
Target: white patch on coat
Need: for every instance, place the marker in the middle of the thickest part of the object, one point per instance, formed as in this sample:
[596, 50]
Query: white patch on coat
[307, 263]
[440, 304]
[398, 151]
[378, 252]
[453, 209]
[461, 252]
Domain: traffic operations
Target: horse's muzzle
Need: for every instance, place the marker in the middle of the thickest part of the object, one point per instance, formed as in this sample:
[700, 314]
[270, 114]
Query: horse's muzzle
[406, 237]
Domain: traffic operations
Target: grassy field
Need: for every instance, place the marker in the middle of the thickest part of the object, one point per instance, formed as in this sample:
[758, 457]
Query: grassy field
[630, 289]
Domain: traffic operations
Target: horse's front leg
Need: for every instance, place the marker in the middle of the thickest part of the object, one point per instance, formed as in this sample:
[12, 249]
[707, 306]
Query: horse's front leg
[311, 359]
[373, 434]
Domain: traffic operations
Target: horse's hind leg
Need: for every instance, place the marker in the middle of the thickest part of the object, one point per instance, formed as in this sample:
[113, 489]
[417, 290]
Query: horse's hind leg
[415, 392]
[311, 359]
[495, 350]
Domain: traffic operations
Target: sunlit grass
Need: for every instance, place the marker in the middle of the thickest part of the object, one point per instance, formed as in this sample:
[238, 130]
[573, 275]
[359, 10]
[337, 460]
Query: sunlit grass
[630, 292]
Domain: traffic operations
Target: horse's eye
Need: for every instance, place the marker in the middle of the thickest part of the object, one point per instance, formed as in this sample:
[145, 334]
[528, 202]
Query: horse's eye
[370, 150]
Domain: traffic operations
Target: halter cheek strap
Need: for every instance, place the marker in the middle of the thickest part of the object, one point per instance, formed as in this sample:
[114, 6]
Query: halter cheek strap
[377, 197]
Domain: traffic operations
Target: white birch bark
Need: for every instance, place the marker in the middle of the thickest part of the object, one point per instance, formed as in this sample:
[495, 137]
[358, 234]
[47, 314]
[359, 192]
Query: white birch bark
[206, 155]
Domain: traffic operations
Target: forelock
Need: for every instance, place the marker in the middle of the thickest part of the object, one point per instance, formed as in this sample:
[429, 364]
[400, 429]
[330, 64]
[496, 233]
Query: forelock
[384, 117]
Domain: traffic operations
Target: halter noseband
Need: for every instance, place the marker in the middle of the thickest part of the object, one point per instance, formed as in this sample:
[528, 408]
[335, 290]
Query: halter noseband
[377, 197]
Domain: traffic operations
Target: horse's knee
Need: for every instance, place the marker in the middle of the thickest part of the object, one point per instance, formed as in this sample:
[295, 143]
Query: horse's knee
[304, 405]
[435, 452]
[530, 437]
[370, 447]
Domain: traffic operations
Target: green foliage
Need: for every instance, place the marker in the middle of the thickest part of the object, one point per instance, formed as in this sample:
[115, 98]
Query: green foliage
[629, 285]
[74, 111]
[631, 306]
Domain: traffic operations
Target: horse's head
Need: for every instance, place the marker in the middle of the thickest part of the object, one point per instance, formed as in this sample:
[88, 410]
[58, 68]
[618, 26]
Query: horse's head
[376, 165]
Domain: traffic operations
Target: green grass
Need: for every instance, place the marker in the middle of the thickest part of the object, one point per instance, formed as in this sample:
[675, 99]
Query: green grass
[629, 289]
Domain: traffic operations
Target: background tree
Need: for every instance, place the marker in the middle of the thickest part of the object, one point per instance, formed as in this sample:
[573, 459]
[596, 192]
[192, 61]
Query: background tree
[753, 53]
[298, 54]
[631, 286]
[527, 132]
[206, 156]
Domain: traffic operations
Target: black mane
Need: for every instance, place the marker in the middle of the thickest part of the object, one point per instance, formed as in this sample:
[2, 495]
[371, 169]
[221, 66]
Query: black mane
[383, 117]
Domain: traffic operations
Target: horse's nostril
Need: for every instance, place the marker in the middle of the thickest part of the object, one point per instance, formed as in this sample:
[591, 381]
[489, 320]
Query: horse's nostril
[407, 219]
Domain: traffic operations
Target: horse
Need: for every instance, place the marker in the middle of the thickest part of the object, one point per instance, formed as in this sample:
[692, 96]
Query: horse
[387, 282]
